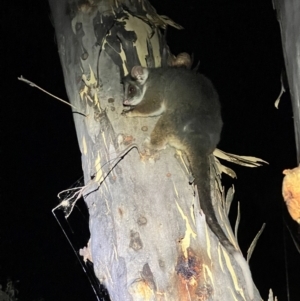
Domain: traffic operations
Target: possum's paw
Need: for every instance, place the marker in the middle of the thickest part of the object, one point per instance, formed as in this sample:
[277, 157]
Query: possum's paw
[125, 113]
[153, 146]
[149, 149]
[147, 143]
[191, 179]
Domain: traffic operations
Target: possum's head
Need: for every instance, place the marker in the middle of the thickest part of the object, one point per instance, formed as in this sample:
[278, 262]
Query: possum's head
[135, 86]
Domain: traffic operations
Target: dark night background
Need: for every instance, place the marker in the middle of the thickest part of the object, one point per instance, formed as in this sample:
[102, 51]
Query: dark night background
[239, 47]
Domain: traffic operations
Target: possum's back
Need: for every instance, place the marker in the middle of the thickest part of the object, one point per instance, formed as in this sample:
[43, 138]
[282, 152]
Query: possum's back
[190, 94]
[183, 87]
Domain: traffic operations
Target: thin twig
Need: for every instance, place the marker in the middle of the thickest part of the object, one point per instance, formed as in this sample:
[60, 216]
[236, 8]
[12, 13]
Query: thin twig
[68, 203]
[23, 79]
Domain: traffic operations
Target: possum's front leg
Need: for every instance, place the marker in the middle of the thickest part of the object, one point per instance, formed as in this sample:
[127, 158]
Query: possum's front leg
[145, 109]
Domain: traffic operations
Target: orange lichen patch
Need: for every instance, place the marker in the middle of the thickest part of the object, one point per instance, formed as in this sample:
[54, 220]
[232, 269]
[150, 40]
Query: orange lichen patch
[186, 292]
[291, 192]
[189, 270]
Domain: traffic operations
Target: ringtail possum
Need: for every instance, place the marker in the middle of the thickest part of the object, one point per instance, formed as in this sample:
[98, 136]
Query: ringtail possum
[190, 121]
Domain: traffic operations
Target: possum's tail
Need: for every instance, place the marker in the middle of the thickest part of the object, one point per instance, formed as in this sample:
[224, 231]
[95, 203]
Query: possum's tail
[201, 174]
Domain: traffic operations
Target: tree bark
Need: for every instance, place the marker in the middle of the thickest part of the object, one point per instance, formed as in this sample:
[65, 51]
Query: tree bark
[288, 14]
[149, 240]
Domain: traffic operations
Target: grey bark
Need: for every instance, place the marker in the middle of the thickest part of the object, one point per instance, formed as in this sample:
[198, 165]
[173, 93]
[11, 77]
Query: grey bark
[288, 14]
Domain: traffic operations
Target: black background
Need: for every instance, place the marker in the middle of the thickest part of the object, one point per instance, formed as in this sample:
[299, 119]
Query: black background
[239, 48]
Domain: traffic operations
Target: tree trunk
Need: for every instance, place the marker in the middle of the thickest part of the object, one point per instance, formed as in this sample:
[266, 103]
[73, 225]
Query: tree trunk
[288, 14]
[149, 240]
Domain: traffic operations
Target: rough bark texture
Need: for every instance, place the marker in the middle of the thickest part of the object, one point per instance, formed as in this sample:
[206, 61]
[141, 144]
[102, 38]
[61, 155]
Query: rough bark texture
[288, 13]
[148, 238]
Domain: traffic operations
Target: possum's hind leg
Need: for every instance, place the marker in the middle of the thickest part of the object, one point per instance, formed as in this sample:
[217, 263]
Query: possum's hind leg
[184, 163]
[159, 136]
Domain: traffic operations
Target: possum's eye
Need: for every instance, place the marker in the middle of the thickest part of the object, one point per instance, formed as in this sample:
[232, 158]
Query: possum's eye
[131, 90]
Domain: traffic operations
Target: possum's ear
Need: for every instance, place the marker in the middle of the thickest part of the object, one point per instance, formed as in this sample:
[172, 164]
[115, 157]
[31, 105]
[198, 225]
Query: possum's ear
[140, 74]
